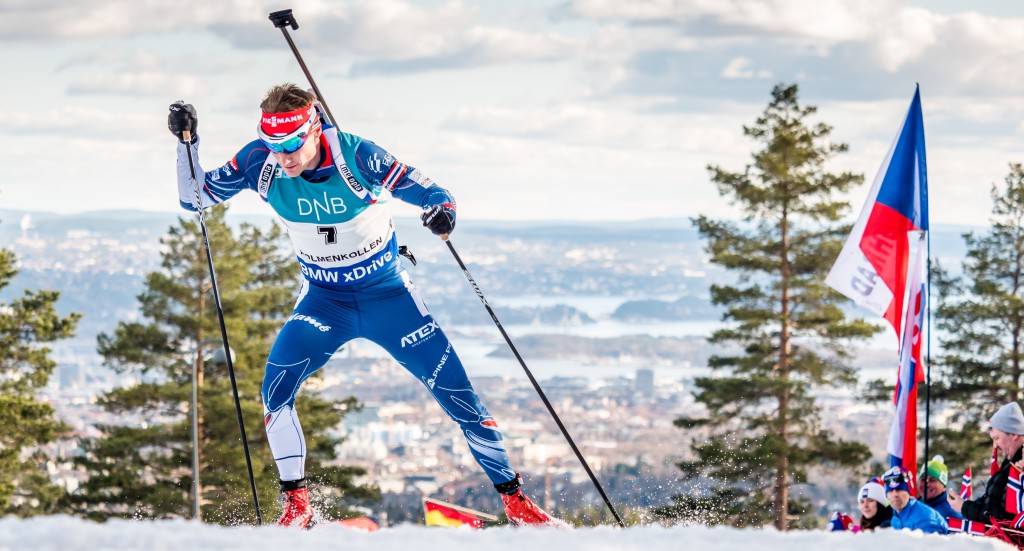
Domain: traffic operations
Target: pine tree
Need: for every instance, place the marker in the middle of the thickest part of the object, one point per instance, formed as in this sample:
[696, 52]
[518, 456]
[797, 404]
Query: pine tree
[981, 330]
[142, 468]
[26, 422]
[788, 336]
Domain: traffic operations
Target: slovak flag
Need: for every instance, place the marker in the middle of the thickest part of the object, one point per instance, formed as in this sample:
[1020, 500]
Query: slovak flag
[966, 491]
[872, 267]
[903, 434]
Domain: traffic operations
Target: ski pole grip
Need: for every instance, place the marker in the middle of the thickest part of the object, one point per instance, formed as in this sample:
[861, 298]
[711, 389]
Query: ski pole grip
[186, 135]
[443, 236]
[284, 18]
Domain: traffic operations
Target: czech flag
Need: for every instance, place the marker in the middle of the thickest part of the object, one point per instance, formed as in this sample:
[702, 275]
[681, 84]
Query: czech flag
[439, 513]
[903, 434]
[872, 267]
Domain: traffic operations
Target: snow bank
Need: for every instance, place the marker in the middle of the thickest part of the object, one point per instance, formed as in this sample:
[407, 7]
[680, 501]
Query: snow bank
[72, 534]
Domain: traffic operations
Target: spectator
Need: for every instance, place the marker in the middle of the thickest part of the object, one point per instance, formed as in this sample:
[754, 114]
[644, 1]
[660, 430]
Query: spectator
[875, 511]
[1006, 429]
[841, 522]
[934, 480]
[907, 512]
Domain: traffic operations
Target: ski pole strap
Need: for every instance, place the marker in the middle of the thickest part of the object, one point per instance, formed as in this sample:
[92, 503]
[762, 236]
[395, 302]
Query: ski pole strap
[511, 486]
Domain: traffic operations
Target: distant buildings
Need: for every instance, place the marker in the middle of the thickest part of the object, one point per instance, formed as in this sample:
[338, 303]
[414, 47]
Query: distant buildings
[645, 382]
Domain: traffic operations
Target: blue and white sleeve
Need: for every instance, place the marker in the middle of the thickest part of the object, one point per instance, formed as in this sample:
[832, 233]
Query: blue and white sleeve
[215, 186]
[404, 182]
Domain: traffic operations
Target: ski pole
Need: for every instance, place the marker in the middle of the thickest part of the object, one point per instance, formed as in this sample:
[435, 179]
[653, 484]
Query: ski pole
[223, 328]
[282, 20]
[533, 380]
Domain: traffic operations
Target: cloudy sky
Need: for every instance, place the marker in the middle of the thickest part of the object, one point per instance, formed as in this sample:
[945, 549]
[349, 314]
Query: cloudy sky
[525, 109]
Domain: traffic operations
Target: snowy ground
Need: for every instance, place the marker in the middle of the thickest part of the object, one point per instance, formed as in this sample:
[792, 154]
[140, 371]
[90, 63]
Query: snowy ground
[70, 534]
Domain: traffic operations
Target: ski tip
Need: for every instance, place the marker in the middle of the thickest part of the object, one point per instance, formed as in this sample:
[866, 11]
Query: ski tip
[366, 524]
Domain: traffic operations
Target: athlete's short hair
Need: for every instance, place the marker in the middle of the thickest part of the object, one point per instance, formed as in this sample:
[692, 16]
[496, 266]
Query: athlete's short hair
[285, 97]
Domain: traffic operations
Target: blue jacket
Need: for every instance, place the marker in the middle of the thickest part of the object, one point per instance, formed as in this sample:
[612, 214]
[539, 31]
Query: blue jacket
[941, 504]
[918, 516]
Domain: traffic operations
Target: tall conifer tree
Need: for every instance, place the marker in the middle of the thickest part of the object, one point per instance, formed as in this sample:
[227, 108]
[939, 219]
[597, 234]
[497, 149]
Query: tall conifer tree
[787, 336]
[142, 467]
[981, 330]
[27, 323]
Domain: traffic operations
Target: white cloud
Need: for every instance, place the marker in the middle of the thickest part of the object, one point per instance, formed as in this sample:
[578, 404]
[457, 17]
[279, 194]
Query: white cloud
[857, 48]
[741, 67]
[829, 20]
[905, 37]
[396, 36]
[142, 73]
[621, 92]
[82, 121]
[609, 128]
[146, 83]
[137, 60]
[43, 20]
[576, 182]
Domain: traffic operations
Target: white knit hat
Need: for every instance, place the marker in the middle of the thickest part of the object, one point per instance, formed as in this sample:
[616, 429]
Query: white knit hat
[873, 490]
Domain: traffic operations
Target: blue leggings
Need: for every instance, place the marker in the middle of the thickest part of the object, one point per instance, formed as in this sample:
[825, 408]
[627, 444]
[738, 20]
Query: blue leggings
[392, 315]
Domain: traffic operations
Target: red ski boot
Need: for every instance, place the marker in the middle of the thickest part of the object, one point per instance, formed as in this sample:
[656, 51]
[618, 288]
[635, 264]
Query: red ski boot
[297, 511]
[521, 510]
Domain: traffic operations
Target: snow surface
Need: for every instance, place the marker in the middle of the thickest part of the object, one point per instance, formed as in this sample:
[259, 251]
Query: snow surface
[72, 534]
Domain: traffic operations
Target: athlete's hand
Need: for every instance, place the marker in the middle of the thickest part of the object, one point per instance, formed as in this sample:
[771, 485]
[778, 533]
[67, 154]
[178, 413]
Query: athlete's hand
[182, 117]
[440, 219]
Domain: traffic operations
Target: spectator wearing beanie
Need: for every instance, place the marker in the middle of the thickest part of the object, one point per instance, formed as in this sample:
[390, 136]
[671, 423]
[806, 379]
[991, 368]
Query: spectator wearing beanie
[874, 508]
[1006, 429]
[907, 512]
[934, 480]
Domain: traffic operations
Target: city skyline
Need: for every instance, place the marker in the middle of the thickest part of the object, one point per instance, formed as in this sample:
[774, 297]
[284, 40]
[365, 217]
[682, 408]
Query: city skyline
[534, 110]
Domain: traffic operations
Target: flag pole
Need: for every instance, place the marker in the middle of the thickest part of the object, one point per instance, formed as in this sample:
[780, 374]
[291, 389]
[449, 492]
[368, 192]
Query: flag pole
[928, 354]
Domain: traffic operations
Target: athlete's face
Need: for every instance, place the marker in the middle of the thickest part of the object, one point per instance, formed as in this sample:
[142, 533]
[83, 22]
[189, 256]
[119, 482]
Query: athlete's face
[306, 157]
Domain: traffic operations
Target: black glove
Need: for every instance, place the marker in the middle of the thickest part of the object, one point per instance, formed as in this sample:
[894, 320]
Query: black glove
[181, 118]
[440, 219]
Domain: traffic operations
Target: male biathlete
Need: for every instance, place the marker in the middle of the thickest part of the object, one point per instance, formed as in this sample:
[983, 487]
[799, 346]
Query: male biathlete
[324, 185]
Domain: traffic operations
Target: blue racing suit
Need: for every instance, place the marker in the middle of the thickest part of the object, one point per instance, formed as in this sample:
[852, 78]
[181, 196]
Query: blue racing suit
[354, 285]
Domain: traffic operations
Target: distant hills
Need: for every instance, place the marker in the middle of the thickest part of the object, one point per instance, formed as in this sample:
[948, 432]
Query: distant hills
[533, 273]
